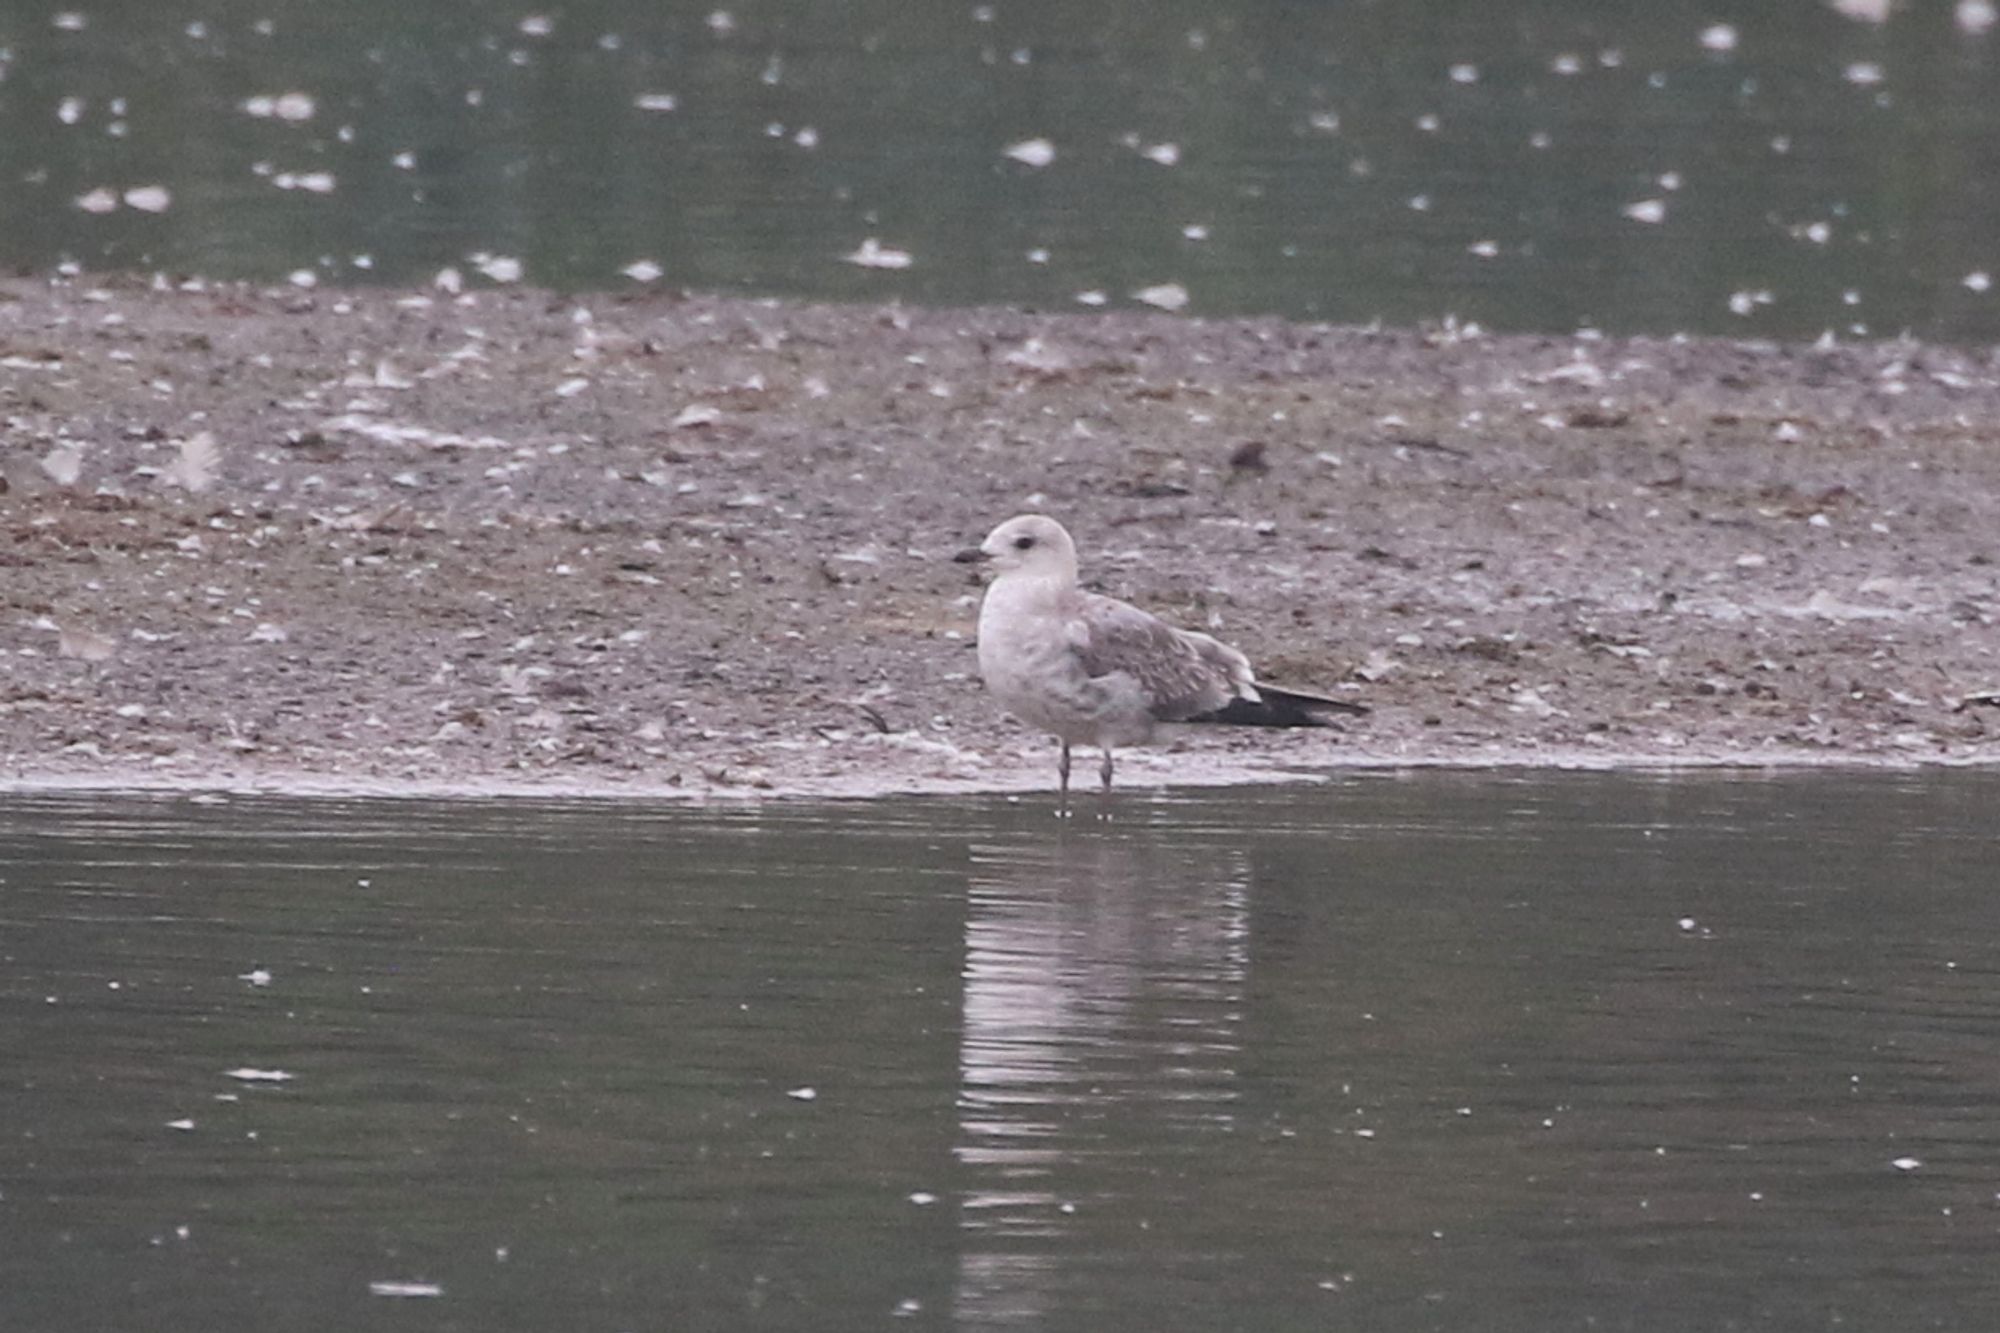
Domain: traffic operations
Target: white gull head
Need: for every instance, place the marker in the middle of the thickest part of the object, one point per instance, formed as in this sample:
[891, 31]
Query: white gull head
[1031, 546]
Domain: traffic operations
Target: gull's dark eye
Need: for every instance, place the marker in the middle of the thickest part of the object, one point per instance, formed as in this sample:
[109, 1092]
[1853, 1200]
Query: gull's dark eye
[1023, 543]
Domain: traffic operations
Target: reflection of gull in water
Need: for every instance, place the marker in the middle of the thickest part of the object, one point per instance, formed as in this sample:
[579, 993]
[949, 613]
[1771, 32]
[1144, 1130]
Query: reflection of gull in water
[1103, 988]
[1093, 670]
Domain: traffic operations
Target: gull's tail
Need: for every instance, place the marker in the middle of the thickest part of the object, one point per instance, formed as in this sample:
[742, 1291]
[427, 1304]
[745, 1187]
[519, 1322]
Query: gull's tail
[1281, 708]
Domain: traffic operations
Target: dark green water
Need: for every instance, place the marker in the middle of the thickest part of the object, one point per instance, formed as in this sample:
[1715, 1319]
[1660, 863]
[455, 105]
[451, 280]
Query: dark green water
[1528, 164]
[1430, 1052]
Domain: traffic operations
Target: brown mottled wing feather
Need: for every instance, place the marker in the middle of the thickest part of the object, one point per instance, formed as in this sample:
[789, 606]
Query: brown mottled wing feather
[1183, 674]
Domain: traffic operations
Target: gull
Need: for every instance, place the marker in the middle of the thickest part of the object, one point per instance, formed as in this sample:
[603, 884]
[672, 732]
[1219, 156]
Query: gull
[1093, 670]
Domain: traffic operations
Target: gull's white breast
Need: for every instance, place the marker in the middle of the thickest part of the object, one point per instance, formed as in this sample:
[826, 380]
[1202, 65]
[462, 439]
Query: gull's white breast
[1029, 663]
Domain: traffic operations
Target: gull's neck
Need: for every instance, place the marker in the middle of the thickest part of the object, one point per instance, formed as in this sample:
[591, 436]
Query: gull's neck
[1024, 588]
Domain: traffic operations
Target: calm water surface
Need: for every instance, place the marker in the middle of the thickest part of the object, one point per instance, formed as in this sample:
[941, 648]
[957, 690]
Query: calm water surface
[1730, 165]
[1398, 1053]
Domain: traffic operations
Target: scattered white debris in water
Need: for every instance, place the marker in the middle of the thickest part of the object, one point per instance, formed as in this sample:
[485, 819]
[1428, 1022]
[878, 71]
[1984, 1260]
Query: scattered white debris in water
[295, 108]
[405, 1289]
[1483, 249]
[249, 1075]
[1719, 37]
[536, 25]
[1975, 17]
[656, 101]
[1865, 11]
[1687, 923]
[1647, 210]
[1907, 1163]
[149, 198]
[500, 268]
[256, 976]
[1031, 152]
[923, 1198]
[644, 270]
[99, 200]
[873, 254]
[1165, 296]
[1166, 154]
[69, 21]
[803, 1094]
[1979, 281]
[1863, 73]
[182, 1125]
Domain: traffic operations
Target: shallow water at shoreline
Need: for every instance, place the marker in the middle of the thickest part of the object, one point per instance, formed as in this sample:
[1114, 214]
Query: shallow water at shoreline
[1533, 167]
[1657, 1051]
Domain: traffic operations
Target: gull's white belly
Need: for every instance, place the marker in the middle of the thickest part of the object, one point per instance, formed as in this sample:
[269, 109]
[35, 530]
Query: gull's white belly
[1030, 667]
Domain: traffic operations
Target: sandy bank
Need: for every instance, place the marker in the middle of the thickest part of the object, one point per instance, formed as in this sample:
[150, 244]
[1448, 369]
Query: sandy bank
[521, 541]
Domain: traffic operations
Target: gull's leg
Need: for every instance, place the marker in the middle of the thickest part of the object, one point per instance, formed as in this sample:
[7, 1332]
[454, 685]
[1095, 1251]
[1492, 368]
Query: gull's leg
[1104, 770]
[1062, 768]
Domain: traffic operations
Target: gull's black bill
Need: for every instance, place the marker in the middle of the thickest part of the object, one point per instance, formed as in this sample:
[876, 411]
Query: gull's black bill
[971, 555]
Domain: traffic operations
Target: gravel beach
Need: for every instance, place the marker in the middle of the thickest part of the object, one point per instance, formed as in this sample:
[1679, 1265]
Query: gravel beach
[507, 539]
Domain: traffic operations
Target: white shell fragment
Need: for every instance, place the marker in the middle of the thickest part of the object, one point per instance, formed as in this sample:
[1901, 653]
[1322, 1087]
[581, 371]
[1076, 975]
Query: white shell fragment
[73, 641]
[1165, 296]
[500, 268]
[194, 469]
[63, 464]
[871, 253]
